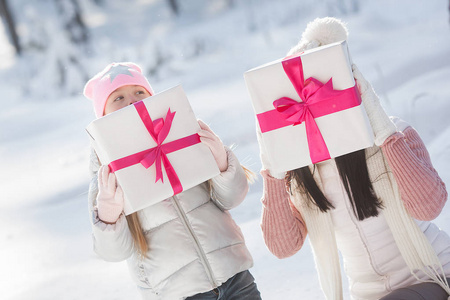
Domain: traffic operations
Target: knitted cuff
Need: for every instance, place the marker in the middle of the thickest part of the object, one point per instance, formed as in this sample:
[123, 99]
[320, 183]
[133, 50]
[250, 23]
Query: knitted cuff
[413, 141]
[274, 188]
[281, 175]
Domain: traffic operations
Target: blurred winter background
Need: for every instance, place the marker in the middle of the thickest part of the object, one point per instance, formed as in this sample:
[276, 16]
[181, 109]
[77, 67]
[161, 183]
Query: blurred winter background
[49, 48]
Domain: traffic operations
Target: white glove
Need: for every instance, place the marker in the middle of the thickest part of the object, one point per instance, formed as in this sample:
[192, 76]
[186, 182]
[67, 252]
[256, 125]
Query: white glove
[381, 124]
[210, 139]
[399, 123]
[109, 198]
[263, 156]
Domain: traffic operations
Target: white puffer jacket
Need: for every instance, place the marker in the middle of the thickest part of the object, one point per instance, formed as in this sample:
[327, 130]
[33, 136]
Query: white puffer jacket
[372, 260]
[194, 244]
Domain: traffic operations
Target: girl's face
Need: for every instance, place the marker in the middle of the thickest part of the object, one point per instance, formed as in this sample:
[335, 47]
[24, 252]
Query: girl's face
[125, 96]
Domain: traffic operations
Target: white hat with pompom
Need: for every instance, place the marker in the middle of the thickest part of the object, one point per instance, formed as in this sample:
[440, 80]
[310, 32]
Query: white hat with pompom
[321, 31]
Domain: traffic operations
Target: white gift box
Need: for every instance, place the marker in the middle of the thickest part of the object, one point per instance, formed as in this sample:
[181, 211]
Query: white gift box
[123, 135]
[343, 131]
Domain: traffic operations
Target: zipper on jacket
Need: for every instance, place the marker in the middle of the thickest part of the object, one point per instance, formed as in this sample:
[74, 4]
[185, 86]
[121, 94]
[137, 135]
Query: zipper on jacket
[200, 251]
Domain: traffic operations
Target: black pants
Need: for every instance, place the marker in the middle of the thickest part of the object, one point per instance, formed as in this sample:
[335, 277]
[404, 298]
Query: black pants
[239, 287]
[420, 291]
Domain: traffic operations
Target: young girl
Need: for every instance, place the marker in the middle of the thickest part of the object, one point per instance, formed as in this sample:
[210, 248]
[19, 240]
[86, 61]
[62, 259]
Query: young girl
[373, 205]
[187, 246]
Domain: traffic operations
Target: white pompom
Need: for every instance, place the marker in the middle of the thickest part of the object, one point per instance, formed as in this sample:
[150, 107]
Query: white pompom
[321, 31]
[325, 30]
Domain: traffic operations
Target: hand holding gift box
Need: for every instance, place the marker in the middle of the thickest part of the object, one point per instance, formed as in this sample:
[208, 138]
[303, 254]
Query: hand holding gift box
[308, 108]
[153, 148]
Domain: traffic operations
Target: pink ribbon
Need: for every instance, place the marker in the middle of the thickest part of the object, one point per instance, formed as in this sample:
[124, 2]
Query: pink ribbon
[158, 130]
[318, 100]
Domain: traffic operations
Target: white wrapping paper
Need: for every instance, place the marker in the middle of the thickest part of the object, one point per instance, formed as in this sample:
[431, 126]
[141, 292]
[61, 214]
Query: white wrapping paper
[122, 133]
[343, 132]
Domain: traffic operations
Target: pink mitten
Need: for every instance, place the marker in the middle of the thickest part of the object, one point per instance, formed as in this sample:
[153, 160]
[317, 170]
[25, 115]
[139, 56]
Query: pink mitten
[210, 139]
[109, 197]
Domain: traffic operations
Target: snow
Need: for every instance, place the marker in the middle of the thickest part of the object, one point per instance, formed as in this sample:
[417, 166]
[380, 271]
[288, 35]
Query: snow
[46, 248]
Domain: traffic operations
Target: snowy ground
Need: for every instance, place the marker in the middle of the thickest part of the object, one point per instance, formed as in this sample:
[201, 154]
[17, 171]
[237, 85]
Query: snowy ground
[46, 250]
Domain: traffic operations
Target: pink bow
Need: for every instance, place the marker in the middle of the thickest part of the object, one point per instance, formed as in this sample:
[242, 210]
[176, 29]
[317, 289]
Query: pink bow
[158, 130]
[296, 112]
[318, 100]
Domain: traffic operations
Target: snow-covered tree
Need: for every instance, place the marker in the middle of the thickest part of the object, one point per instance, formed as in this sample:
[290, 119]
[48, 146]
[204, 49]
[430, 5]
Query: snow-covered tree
[53, 39]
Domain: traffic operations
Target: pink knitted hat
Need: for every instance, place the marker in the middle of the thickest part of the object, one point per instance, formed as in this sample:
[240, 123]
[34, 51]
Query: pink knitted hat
[114, 76]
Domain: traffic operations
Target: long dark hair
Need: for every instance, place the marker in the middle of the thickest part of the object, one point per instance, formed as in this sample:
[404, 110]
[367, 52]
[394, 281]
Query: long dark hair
[354, 175]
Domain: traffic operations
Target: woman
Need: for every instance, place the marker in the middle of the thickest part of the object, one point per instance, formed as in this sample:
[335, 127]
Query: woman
[373, 205]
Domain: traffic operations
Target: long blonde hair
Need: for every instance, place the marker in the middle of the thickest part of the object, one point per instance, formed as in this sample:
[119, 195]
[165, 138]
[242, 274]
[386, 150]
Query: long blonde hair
[140, 242]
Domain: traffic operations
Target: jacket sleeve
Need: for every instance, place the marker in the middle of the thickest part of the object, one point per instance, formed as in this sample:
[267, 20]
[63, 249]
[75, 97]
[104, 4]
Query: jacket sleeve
[230, 187]
[422, 190]
[112, 242]
[283, 227]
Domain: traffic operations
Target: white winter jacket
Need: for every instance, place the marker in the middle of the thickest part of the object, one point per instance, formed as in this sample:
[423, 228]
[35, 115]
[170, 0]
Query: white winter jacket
[194, 244]
[372, 260]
